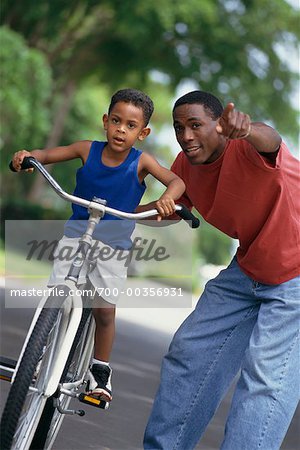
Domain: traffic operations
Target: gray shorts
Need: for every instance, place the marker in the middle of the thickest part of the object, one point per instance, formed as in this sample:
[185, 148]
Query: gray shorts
[107, 272]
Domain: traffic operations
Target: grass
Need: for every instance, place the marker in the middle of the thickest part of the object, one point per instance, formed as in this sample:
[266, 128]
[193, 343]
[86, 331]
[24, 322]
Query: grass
[15, 265]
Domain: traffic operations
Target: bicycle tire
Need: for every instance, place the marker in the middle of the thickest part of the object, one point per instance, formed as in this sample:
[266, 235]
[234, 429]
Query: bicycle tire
[51, 419]
[24, 377]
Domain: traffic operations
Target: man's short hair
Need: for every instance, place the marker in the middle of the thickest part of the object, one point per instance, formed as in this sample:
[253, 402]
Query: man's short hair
[210, 103]
[137, 98]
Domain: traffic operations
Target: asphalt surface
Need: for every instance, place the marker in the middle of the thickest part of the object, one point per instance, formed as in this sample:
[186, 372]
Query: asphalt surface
[136, 362]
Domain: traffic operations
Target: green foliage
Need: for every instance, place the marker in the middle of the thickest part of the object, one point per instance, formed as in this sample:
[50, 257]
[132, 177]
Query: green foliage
[25, 91]
[85, 118]
[211, 42]
[213, 246]
[20, 209]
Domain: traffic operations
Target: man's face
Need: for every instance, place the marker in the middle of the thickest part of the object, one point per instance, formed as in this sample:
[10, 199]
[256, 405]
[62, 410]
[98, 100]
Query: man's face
[196, 134]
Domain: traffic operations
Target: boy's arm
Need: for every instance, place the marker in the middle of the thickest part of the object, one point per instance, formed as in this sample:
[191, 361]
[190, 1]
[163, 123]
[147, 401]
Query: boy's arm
[52, 155]
[175, 186]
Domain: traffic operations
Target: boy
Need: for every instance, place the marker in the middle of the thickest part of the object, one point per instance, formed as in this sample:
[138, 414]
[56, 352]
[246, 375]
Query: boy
[113, 170]
[242, 179]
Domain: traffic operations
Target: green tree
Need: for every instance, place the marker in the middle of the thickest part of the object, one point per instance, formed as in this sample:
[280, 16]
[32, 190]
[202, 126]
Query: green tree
[25, 91]
[230, 47]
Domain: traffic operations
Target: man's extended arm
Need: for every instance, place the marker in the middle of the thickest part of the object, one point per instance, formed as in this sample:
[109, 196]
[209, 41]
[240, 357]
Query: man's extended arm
[235, 124]
[264, 138]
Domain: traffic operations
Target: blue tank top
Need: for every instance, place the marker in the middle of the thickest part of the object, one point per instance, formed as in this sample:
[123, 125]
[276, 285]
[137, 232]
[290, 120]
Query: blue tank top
[119, 186]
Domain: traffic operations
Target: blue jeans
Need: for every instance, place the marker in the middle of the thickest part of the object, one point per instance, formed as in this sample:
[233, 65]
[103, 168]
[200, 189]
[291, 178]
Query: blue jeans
[237, 324]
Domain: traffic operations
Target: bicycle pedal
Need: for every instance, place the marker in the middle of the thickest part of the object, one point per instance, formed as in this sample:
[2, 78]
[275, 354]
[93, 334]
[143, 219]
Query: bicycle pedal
[92, 401]
[7, 367]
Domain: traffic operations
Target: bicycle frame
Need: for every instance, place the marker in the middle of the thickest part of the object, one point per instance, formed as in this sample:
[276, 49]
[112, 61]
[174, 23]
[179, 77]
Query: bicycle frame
[75, 306]
[97, 208]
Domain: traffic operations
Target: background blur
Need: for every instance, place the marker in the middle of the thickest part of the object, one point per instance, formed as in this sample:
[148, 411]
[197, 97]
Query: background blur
[61, 60]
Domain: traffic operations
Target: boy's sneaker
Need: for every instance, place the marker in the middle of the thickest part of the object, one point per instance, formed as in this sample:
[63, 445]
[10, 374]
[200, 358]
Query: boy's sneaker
[99, 382]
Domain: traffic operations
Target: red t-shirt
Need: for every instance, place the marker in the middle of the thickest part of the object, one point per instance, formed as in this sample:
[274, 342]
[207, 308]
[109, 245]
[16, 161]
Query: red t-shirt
[247, 198]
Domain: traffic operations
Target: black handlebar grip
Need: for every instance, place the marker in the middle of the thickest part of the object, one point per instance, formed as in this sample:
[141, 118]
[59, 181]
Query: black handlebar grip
[26, 164]
[186, 214]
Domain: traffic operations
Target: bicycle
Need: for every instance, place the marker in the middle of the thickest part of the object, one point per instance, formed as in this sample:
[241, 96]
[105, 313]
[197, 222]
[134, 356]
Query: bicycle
[57, 350]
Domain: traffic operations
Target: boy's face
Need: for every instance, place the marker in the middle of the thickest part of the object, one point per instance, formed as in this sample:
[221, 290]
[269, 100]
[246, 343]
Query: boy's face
[196, 134]
[124, 125]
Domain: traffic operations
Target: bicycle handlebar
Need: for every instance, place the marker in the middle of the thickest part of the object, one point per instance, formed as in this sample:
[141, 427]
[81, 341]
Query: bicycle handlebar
[181, 210]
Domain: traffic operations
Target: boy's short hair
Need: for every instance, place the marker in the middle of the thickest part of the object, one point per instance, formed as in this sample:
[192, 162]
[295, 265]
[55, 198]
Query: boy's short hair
[137, 98]
[210, 103]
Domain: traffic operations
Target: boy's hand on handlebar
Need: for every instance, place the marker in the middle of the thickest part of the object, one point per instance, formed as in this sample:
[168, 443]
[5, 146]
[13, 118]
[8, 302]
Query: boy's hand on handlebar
[165, 206]
[18, 159]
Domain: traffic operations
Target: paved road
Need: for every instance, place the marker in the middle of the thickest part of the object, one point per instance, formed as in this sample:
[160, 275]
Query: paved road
[136, 361]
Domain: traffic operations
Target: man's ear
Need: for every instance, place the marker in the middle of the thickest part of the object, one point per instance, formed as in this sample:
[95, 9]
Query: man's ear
[105, 121]
[144, 133]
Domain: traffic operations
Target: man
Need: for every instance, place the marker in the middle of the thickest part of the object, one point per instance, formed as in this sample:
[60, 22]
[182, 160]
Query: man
[242, 179]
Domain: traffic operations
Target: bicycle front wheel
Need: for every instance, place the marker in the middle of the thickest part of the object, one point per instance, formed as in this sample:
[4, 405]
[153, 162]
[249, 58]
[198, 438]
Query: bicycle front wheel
[75, 369]
[26, 399]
